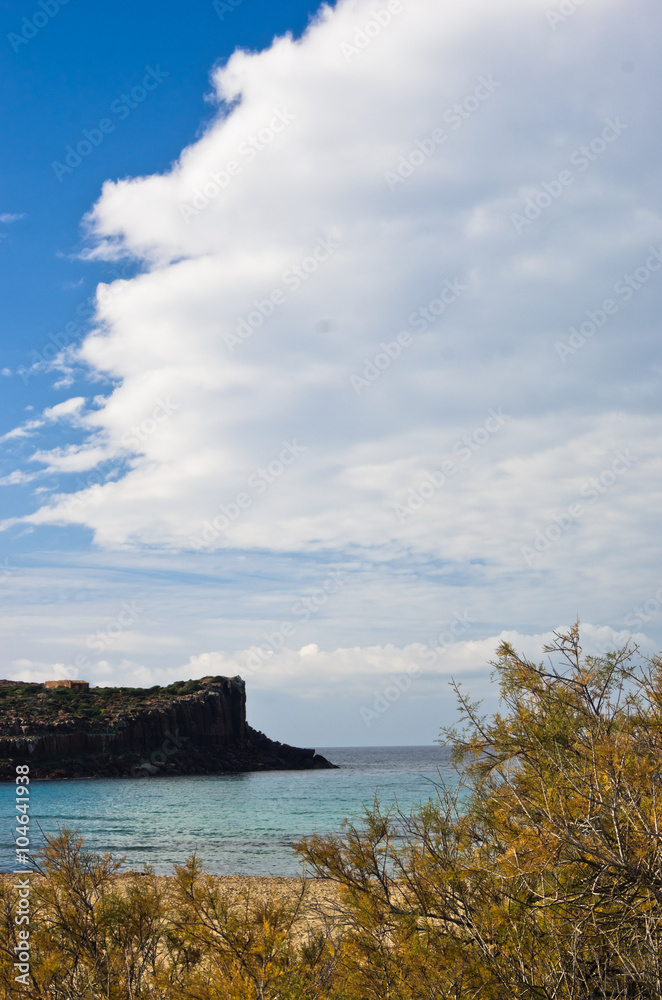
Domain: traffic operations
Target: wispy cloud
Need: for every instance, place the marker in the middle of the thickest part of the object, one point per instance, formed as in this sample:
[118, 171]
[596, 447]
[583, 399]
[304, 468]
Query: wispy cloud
[368, 357]
[67, 411]
[18, 478]
[25, 430]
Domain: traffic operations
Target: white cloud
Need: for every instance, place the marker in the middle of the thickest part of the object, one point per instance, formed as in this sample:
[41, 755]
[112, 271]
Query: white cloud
[305, 149]
[23, 431]
[312, 672]
[17, 478]
[355, 695]
[65, 409]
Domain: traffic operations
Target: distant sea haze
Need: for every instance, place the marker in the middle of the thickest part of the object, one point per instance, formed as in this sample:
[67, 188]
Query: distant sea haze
[239, 824]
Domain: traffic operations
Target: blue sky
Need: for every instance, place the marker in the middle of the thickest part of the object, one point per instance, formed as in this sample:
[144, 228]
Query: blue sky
[329, 346]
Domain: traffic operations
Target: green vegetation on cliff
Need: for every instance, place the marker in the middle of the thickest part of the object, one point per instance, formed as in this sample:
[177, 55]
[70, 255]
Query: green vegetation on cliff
[538, 878]
[189, 727]
[31, 704]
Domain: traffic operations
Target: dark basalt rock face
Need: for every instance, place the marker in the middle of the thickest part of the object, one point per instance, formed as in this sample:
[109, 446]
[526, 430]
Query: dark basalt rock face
[133, 732]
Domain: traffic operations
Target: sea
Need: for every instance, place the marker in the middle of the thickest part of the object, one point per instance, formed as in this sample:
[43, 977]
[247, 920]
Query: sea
[237, 824]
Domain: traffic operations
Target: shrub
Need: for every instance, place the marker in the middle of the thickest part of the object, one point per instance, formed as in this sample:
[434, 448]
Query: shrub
[538, 876]
[541, 874]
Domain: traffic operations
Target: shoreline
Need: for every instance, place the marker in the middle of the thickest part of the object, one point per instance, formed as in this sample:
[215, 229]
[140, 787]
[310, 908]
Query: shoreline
[320, 897]
[260, 882]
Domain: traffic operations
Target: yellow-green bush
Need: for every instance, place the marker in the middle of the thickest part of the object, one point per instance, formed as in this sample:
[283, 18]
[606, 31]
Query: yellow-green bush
[538, 876]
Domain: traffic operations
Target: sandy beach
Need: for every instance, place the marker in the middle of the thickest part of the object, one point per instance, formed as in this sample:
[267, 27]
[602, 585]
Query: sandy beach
[320, 901]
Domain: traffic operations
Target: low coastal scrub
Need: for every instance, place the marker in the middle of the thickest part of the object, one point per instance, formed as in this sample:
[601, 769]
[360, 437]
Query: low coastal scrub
[35, 703]
[538, 876]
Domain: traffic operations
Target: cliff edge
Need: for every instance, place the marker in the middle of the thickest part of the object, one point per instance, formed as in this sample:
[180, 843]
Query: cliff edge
[190, 727]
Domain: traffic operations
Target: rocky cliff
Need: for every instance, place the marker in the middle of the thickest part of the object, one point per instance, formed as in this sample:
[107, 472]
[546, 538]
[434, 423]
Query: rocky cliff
[193, 727]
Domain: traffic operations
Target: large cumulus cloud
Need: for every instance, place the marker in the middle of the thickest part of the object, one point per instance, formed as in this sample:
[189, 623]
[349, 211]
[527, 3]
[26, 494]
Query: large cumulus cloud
[477, 180]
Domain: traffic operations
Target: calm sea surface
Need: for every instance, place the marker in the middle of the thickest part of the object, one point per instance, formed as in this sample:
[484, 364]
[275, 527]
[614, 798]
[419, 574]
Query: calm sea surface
[239, 824]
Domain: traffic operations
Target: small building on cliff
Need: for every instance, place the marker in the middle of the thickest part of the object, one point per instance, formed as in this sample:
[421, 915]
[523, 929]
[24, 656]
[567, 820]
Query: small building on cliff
[67, 684]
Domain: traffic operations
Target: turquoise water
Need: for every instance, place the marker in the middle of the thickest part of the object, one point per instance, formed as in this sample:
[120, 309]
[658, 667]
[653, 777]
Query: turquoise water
[239, 824]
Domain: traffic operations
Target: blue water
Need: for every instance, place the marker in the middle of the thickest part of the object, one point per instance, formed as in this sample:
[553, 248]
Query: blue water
[239, 824]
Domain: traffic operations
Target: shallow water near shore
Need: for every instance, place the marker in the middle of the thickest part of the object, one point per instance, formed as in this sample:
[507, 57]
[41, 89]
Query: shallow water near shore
[238, 824]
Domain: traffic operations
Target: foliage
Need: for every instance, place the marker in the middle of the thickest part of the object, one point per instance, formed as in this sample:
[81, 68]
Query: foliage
[547, 880]
[538, 876]
[94, 935]
[32, 703]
